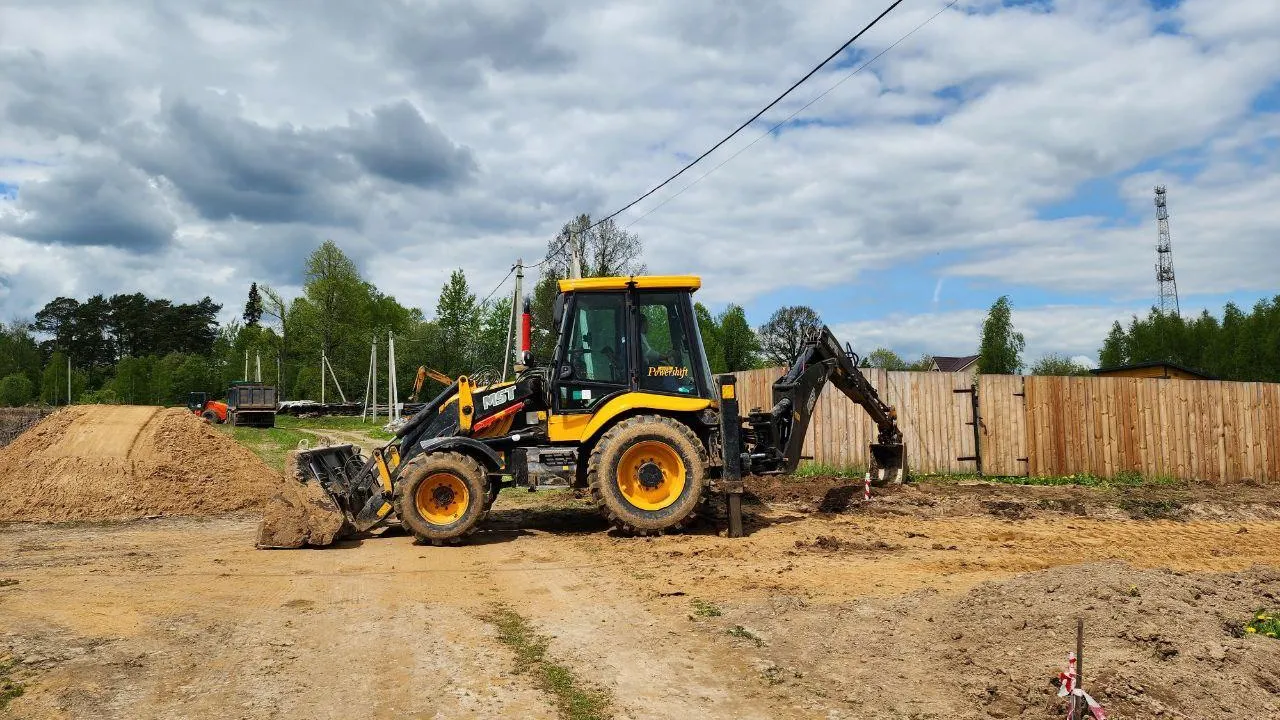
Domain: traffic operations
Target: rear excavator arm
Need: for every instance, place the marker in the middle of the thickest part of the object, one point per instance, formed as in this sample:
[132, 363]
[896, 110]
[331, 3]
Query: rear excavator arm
[777, 436]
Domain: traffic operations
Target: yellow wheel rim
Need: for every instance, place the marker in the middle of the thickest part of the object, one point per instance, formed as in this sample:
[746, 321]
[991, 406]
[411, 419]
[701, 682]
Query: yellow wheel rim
[442, 498]
[651, 475]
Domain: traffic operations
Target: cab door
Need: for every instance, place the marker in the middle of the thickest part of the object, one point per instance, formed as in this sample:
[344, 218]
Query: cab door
[593, 362]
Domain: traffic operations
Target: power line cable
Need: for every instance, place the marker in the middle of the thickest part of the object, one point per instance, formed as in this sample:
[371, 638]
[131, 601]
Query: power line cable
[792, 116]
[731, 135]
[498, 287]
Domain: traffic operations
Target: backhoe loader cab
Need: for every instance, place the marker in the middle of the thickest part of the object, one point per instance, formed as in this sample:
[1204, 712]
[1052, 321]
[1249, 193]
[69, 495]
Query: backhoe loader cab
[626, 408]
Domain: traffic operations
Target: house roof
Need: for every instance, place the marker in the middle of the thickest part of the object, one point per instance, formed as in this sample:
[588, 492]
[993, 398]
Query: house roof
[948, 363]
[1151, 364]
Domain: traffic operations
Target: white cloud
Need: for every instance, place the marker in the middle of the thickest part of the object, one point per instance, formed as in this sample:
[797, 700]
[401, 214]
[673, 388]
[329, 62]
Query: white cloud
[1073, 330]
[948, 145]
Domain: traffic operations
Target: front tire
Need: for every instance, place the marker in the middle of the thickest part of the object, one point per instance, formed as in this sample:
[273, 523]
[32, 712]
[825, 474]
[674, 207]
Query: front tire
[647, 474]
[441, 497]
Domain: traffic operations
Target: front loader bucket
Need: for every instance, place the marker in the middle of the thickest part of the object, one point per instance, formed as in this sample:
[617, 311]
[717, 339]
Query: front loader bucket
[329, 493]
[888, 464]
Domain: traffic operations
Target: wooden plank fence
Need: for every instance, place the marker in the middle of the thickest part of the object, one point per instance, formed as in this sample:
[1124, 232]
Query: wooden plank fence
[1035, 425]
[933, 417]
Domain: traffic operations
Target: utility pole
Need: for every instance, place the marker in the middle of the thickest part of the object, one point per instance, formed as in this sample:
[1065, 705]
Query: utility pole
[513, 326]
[257, 359]
[575, 258]
[393, 390]
[322, 366]
[246, 364]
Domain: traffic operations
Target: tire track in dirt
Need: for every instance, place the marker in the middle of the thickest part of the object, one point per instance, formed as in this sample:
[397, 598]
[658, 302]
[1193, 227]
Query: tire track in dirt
[142, 432]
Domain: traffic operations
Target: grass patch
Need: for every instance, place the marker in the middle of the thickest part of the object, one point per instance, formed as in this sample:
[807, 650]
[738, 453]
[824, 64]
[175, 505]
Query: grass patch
[810, 469]
[574, 698]
[702, 608]
[270, 444]
[740, 632]
[1151, 509]
[9, 688]
[345, 423]
[1262, 623]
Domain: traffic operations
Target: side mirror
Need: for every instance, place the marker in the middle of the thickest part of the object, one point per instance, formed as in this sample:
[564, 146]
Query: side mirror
[557, 312]
[565, 372]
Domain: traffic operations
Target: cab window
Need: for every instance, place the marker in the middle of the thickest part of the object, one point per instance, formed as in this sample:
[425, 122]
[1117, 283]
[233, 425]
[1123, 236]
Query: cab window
[666, 360]
[596, 350]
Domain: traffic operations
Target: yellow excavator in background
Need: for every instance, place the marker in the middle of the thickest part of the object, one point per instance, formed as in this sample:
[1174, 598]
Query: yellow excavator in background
[627, 408]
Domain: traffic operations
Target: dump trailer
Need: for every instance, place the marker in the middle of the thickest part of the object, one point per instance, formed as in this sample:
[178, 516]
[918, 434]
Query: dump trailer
[252, 405]
[626, 408]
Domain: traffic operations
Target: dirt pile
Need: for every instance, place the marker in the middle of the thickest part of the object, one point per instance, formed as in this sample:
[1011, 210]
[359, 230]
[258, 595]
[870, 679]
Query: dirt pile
[299, 514]
[104, 462]
[1158, 644]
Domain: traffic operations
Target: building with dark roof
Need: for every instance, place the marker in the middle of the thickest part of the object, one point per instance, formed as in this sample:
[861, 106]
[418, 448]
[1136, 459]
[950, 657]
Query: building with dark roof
[1153, 369]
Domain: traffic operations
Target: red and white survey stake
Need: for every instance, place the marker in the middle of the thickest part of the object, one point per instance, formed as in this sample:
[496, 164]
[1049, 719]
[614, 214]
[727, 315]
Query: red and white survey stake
[866, 487]
[1067, 688]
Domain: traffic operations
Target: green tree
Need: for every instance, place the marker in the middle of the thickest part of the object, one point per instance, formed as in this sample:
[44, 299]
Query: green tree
[1115, 349]
[491, 339]
[16, 390]
[738, 342]
[886, 359]
[53, 381]
[1242, 346]
[457, 318]
[132, 383]
[19, 352]
[333, 318]
[253, 307]
[924, 364]
[606, 251]
[709, 329]
[1057, 364]
[1001, 347]
[784, 333]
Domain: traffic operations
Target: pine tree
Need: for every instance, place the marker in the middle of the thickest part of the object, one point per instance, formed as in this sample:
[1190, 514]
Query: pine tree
[253, 308]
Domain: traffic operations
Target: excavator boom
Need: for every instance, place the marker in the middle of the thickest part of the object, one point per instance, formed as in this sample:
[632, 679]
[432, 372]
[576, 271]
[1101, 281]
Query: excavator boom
[779, 433]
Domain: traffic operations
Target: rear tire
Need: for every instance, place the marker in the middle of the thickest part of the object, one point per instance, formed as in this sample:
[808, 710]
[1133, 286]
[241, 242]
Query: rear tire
[441, 497]
[209, 416]
[648, 474]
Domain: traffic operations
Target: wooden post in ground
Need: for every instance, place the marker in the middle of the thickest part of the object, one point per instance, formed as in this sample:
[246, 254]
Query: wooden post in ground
[1077, 701]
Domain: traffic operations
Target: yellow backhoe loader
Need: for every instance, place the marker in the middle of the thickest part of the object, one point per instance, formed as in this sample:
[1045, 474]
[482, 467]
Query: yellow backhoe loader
[626, 408]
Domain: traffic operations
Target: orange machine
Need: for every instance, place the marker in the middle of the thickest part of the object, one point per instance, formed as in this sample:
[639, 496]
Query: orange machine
[214, 411]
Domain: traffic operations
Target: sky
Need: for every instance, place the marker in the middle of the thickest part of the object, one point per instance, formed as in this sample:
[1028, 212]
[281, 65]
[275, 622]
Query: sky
[1004, 148]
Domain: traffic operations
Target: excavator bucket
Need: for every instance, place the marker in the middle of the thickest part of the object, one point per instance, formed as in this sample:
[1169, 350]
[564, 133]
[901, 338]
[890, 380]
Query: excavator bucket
[329, 493]
[888, 463]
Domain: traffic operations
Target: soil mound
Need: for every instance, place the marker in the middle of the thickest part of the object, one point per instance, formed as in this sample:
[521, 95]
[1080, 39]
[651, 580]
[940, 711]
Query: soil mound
[1158, 642]
[299, 514]
[105, 462]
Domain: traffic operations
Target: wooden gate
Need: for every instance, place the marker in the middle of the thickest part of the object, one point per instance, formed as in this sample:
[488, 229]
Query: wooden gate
[1002, 425]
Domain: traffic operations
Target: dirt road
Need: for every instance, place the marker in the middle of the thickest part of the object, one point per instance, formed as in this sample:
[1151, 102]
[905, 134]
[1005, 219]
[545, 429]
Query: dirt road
[852, 615]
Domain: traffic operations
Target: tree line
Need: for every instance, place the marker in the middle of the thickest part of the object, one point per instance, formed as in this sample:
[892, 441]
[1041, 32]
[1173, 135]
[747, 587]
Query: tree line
[130, 348]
